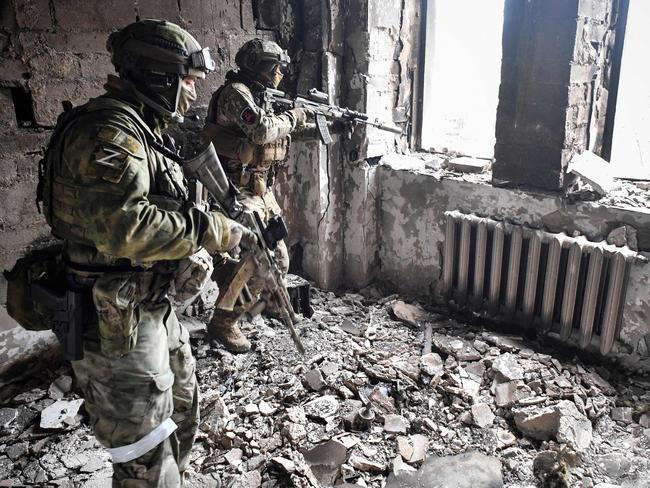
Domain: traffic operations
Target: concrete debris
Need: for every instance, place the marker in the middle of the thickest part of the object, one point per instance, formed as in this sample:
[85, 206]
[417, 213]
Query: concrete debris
[363, 464]
[561, 421]
[326, 460]
[395, 424]
[413, 315]
[467, 164]
[595, 171]
[432, 364]
[482, 415]
[468, 470]
[62, 414]
[7, 415]
[456, 347]
[314, 380]
[60, 387]
[622, 414]
[624, 236]
[271, 418]
[507, 368]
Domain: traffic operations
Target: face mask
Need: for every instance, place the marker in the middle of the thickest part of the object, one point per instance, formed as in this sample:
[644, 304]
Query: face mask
[276, 78]
[185, 99]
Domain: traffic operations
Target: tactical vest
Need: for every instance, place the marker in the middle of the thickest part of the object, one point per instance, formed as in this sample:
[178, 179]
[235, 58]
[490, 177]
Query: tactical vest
[60, 194]
[231, 142]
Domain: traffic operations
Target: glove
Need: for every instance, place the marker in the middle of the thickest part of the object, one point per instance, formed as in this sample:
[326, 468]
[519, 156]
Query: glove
[240, 236]
[300, 116]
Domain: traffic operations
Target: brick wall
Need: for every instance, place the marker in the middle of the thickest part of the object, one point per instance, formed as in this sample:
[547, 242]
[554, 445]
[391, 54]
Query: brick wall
[553, 95]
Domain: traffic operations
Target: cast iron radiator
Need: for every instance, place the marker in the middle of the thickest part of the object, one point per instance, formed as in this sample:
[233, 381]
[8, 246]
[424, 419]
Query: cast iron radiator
[526, 276]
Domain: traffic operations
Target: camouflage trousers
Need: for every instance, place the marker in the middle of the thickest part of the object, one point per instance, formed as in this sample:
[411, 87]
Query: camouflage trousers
[267, 207]
[128, 397]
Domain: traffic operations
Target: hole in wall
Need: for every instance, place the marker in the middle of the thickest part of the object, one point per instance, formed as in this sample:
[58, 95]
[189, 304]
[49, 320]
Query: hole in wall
[23, 106]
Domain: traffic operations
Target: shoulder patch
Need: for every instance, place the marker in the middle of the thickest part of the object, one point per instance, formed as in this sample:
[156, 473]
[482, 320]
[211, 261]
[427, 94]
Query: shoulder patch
[120, 140]
[248, 116]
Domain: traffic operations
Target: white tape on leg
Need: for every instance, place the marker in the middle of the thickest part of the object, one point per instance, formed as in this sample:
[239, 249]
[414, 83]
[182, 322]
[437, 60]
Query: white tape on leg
[124, 454]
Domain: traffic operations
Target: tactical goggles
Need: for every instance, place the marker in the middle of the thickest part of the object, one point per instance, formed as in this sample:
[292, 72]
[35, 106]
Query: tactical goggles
[202, 60]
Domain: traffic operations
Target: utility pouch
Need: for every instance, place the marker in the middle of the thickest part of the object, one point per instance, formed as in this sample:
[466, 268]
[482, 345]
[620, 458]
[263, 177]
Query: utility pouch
[116, 298]
[44, 267]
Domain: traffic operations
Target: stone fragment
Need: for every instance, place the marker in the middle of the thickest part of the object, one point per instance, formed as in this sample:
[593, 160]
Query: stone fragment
[251, 409]
[250, 479]
[478, 470]
[363, 464]
[314, 380]
[60, 387]
[325, 461]
[614, 464]
[234, 456]
[505, 438]
[322, 407]
[395, 424]
[507, 368]
[561, 421]
[380, 400]
[17, 450]
[420, 445]
[432, 364]
[351, 327]
[74, 460]
[400, 467]
[482, 415]
[466, 164]
[624, 236]
[266, 408]
[595, 171]
[458, 348]
[507, 394]
[412, 315]
[294, 433]
[644, 420]
[61, 414]
[476, 369]
[622, 414]
[287, 465]
[7, 415]
[29, 397]
[404, 447]
[94, 463]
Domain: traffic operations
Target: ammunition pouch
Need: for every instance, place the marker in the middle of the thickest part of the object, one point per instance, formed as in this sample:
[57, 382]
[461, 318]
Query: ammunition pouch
[41, 296]
[42, 266]
[116, 297]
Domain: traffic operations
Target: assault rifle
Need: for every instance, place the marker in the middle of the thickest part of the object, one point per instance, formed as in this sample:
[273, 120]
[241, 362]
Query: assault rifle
[259, 261]
[318, 102]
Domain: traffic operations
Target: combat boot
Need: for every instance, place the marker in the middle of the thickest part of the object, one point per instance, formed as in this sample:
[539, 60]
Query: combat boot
[224, 328]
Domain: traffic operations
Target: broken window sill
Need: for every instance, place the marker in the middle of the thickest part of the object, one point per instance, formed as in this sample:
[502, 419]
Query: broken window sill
[629, 196]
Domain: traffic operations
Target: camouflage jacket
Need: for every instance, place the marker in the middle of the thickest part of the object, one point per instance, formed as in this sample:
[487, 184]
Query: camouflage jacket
[112, 197]
[237, 116]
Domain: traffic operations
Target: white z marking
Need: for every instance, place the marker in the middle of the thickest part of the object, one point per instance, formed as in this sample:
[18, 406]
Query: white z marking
[110, 154]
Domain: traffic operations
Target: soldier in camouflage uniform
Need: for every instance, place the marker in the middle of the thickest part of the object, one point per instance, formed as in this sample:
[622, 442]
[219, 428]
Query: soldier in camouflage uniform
[115, 193]
[250, 140]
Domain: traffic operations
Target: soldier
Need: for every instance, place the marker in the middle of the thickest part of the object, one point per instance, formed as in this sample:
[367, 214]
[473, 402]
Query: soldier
[250, 140]
[115, 193]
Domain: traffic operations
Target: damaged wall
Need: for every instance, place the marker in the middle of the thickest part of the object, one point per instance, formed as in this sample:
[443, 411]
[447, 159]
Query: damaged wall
[555, 76]
[412, 226]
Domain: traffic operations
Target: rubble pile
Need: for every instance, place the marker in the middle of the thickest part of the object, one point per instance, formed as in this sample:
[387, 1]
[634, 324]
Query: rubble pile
[387, 395]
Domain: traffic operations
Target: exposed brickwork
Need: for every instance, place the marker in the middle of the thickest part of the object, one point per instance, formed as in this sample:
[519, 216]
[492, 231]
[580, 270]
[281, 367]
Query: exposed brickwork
[553, 91]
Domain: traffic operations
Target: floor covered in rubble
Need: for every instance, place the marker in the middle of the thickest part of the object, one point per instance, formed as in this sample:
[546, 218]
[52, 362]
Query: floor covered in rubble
[500, 410]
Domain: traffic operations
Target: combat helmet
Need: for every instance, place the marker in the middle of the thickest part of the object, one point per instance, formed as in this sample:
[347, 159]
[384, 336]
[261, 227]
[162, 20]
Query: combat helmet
[155, 55]
[259, 56]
